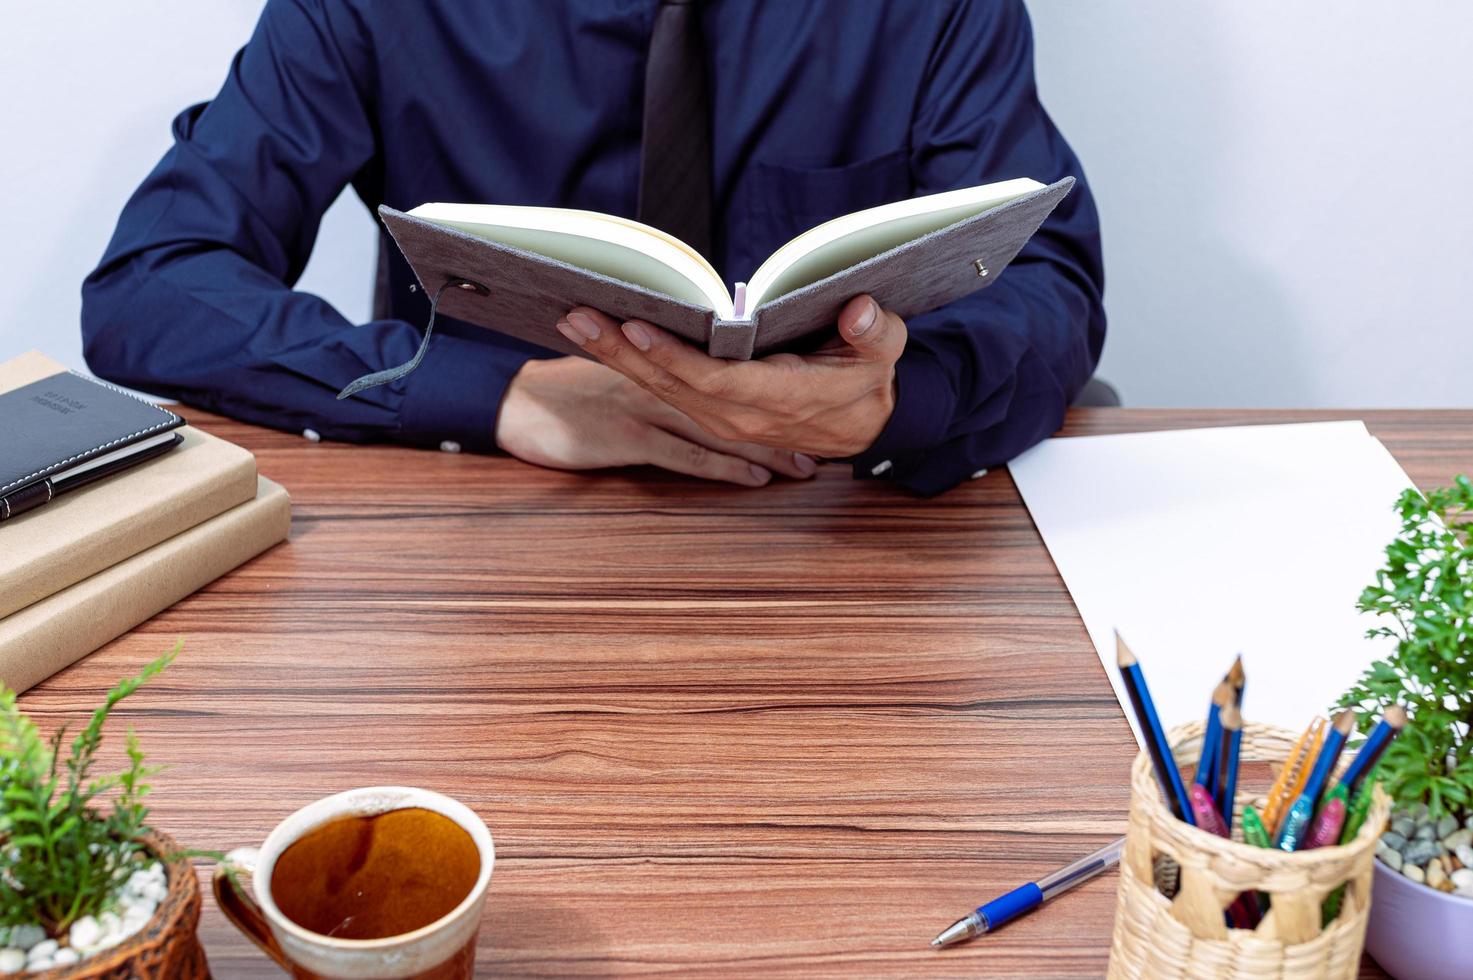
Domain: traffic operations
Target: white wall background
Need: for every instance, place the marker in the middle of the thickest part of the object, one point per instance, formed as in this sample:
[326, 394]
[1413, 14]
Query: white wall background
[1283, 186]
[1284, 194]
[88, 89]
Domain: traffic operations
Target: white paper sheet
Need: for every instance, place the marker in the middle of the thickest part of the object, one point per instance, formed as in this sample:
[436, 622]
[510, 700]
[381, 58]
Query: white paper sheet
[1203, 543]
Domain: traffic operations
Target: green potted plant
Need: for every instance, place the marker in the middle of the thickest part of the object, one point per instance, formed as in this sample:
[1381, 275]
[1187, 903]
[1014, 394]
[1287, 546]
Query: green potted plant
[1422, 909]
[87, 888]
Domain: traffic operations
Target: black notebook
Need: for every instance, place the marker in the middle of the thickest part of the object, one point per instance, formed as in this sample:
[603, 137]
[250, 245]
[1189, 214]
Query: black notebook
[66, 431]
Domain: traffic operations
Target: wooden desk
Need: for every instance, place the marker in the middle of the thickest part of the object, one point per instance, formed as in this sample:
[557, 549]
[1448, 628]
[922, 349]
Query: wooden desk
[788, 731]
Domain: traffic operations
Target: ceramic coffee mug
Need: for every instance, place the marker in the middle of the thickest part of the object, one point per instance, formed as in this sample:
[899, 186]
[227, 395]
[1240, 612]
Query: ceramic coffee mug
[445, 948]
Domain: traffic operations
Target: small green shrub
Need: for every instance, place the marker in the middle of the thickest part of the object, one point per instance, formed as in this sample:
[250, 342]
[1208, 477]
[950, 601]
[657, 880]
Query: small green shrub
[1424, 595]
[63, 852]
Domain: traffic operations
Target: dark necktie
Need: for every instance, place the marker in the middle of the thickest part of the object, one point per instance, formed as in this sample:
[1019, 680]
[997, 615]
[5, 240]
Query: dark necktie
[675, 159]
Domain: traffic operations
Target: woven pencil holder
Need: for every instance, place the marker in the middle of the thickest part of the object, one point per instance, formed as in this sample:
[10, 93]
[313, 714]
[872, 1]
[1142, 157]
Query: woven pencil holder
[1187, 936]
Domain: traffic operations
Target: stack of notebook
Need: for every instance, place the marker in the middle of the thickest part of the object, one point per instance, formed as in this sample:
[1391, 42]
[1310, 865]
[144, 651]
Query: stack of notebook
[81, 567]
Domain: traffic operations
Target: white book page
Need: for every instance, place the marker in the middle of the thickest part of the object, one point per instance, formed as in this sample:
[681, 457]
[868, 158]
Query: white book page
[615, 247]
[1201, 544]
[132, 449]
[848, 240]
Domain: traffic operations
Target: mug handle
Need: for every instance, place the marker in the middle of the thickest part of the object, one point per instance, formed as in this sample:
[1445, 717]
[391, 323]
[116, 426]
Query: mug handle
[240, 908]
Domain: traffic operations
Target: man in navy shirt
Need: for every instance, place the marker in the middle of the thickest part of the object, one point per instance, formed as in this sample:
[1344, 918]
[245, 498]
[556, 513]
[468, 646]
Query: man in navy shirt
[820, 108]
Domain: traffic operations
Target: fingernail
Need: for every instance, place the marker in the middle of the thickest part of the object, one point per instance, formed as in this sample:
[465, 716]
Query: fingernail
[570, 333]
[759, 474]
[638, 336]
[583, 324]
[866, 319]
[805, 464]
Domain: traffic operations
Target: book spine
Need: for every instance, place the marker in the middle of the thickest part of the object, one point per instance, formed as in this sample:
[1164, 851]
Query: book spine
[53, 633]
[732, 339]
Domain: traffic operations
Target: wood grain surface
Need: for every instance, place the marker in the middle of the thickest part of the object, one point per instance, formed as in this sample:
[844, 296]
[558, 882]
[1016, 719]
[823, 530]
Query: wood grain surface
[794, 730]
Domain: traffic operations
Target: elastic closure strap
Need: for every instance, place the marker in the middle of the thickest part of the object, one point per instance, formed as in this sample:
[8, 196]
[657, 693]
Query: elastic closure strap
[395, 373]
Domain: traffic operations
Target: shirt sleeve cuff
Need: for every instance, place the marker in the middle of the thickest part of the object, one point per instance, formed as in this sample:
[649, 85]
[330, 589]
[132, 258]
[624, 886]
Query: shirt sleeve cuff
[924, 403]
[455, 394]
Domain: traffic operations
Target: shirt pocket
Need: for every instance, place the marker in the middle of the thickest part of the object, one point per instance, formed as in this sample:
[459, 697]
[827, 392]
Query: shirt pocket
[783, 201]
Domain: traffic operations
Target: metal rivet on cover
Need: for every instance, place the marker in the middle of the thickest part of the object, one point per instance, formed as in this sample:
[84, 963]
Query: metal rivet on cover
[471, 286]
[981, 269]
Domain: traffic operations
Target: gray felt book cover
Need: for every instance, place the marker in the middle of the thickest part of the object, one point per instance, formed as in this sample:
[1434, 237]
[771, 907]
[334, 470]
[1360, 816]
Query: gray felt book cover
[525, 294]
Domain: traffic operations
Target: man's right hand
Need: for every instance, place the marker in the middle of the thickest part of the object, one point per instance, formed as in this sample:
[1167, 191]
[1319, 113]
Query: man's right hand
[574, 414]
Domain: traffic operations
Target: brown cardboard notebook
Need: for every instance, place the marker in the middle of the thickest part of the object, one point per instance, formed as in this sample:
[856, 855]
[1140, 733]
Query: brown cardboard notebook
[49, 635]
[83, 532]
[520, 269]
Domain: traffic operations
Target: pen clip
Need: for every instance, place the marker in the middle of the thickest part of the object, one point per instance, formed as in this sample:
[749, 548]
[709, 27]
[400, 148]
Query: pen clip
[26, 498]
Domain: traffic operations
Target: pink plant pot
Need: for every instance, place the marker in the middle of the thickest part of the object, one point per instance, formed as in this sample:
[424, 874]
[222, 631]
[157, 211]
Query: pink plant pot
[1419, 933]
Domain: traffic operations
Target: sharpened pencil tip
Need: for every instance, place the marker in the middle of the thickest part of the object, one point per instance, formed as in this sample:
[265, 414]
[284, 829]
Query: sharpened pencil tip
[1123, 656]
[1235, 675]
[1222, 694]
[1396, 716]
[1344, 722]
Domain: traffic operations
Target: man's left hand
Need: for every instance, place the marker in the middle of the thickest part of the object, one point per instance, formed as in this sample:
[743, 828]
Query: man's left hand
[833, 402]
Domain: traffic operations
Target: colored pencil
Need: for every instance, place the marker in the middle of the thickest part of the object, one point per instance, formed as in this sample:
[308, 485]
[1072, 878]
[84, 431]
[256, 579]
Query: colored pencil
[1238, 679]
[1330, 820]
[1254, 831]
[1205, 810]
[1292, 776]
[1305, 767]
[1207, 765]
[1255, 835]
[1232, 741]
[1365, 760]
[1244, 912]
[1355, 817]
[1295, 826]
[1355, 814]
[1151, 730]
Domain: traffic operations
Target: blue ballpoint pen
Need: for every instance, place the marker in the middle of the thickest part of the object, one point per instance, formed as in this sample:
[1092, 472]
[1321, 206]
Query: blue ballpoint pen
[1028, 897]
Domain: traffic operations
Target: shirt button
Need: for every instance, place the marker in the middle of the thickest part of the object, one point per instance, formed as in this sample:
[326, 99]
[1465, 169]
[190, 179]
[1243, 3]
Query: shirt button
[311, 435]
[449, 446]
[880, 467]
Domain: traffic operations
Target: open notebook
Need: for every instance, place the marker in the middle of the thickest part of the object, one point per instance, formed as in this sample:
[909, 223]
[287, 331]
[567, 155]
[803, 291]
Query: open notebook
[525, 267]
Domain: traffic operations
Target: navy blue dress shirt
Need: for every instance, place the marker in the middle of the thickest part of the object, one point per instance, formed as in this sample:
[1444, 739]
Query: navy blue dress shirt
[820, 108]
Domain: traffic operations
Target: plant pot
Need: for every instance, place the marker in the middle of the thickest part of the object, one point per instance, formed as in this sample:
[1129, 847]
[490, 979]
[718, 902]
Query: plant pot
[165, 949]
[1416, 932]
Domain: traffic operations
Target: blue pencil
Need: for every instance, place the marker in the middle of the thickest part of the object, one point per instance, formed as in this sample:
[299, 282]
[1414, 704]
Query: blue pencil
[1365, 760]
[1208, 765]
[1232, 740]
[1238, 680]
[1295, 826]
[1151, 730]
